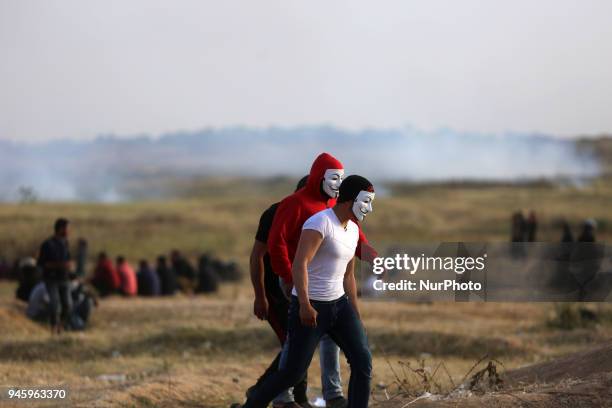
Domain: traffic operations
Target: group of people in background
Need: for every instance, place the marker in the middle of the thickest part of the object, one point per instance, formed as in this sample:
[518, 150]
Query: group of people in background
[59, 293]
[524, 229]
[163, 279]
[587, 232]
[577, 260]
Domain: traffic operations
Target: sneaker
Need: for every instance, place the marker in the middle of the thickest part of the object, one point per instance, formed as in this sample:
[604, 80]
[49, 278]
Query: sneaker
[286, 405]
[305, 404]
[339, 402]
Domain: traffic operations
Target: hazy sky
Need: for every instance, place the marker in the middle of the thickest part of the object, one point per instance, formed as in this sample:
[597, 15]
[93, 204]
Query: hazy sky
[78, 68]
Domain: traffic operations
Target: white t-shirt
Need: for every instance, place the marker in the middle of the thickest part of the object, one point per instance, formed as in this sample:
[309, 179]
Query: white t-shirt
[327, 268]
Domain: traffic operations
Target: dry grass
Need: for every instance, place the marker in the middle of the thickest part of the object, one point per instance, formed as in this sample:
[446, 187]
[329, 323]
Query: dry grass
[225, 224]
[206, 351]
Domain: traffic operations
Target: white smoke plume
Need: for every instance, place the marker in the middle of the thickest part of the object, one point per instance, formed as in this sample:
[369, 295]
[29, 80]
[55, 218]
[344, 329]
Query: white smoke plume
[96, 170]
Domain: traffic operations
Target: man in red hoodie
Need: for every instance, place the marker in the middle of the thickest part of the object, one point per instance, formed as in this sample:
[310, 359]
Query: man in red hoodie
[129, 284]
[320, 193]
[106, 278]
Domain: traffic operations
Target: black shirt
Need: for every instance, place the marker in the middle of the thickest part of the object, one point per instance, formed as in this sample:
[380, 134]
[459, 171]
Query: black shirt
[54, 249]
[183, 268]
[271, 285]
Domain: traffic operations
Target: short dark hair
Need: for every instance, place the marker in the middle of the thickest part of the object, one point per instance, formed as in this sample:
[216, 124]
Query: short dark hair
[60, 224]
[302, 183]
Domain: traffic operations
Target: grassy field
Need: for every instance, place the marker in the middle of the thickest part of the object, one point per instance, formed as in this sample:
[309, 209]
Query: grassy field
[225, 223]
[205, 351]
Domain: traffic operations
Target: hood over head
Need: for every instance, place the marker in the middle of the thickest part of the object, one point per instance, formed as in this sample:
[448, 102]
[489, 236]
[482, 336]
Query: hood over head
[323, 162]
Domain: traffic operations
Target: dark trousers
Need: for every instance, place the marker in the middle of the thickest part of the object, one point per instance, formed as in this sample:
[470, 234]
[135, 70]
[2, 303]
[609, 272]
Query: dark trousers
[338, 319]
[278, 310]
[60, 301]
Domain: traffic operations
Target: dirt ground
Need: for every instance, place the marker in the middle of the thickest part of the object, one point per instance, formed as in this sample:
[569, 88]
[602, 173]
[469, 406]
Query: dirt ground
[205, 351]
[582, 379]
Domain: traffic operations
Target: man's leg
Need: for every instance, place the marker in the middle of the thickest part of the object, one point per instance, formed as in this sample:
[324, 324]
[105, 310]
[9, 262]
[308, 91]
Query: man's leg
[348, 332]
[302, 343]
[329, 359]
[66, 301]
[277, 318]
[54, 302]
[285, 396]
[273, 367]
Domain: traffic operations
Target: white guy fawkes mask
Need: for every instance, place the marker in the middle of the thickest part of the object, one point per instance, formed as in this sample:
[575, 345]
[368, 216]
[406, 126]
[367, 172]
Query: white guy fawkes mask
[331, 181]
[363, 204]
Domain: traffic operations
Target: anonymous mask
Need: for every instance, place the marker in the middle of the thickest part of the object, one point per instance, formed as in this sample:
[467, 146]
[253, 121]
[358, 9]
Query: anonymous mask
[362, 205]
[331, 181]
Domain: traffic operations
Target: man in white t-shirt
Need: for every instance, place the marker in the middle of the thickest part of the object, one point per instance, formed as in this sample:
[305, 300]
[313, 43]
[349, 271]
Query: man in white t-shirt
[324, 298]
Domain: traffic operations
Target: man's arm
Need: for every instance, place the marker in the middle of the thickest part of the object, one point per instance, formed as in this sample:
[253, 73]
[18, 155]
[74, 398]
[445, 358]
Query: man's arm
[310, 241]
[350, 286]
[260, 306]
[42, 255]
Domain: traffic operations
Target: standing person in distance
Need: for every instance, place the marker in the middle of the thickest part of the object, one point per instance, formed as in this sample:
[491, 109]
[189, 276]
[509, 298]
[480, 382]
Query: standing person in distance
[55, 261]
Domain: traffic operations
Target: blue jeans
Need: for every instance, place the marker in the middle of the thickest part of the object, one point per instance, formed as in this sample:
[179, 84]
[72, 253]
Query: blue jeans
[329, 359]
[337, 319]
[286, 395]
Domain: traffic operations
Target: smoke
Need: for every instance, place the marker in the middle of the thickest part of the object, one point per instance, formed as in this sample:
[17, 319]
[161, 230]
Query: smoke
[104, 169]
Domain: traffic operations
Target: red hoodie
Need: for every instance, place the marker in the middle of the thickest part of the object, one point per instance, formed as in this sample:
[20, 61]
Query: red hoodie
[295, 209]
[106, 275]
[129, 284]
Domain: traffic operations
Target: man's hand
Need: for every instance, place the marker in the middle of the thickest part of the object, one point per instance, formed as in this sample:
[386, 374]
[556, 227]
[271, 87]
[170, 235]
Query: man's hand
[286, 288]
[308, 315]
[260, 308]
